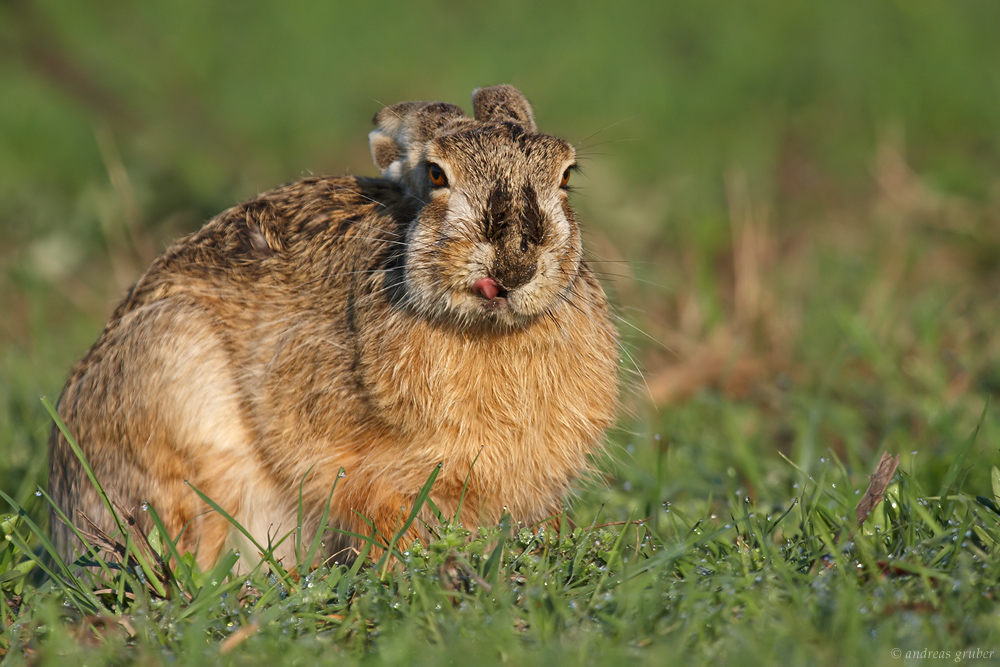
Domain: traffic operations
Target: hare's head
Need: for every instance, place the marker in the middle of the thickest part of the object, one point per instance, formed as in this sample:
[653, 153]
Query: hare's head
[495, 240]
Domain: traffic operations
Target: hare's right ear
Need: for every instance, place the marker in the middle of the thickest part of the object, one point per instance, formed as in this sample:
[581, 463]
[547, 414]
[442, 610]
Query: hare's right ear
[401, 132]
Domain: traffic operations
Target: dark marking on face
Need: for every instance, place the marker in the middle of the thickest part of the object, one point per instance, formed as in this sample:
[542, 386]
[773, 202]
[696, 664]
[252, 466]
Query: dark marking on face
[497, 212]
[515, 227]
[534, 219]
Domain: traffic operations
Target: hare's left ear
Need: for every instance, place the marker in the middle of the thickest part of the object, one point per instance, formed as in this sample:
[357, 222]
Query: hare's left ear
[402, 130]
[503, 103]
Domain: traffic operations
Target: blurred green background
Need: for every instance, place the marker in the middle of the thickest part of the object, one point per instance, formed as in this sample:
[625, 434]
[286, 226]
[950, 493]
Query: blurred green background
[795, 206]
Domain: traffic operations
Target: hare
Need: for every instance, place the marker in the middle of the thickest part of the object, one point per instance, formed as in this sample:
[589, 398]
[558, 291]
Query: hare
[440, 315]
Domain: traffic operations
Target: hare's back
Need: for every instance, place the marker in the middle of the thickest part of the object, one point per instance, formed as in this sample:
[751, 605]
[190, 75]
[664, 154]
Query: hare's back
[316, 229]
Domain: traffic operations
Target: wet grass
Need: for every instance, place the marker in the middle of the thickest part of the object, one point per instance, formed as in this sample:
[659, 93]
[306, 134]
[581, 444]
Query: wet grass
[743, 580]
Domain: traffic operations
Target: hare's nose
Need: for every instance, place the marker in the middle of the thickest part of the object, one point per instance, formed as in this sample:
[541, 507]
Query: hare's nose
[488, 288]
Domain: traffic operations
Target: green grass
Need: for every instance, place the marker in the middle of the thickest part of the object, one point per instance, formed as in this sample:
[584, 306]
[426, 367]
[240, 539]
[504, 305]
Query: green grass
[795, 208]
[746, 583]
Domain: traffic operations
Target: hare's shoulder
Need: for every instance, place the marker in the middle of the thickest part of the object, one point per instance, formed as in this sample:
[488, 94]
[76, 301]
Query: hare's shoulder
[310, 212]
[286, 225]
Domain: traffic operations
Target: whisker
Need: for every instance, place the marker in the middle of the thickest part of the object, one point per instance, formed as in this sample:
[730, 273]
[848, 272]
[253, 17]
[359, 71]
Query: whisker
[647, 335]
[604, 129]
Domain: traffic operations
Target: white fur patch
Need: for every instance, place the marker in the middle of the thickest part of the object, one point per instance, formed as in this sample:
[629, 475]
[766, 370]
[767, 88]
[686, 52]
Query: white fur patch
[552, 206]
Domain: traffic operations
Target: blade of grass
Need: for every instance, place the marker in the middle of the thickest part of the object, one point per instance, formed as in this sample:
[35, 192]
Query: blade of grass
[213, 590]
[172, 549]
[770, 529]
[17, 571]
[614, 554]
[663, 558]
[76, 531]
[137, 543]
[360, 560]
[465, 487]
[417, 505]
[266, 554]
[371, 524]
[71, 441]
[491, 569]
[957, 463]
[82, 597]
[298, 525]
[73, 581]
[436, 511]
[321, 528]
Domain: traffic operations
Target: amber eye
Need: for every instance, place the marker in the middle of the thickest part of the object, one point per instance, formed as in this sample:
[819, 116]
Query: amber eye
[565, 177]
[437, 176]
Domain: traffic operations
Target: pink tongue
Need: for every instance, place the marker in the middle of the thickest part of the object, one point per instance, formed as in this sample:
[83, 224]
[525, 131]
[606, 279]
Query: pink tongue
[487, 287]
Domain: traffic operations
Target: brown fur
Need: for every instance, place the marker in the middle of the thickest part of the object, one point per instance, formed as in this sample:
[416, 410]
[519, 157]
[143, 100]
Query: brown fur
[333, 323]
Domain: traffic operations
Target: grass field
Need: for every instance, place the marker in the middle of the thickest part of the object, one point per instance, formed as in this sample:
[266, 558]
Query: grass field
[795, 208]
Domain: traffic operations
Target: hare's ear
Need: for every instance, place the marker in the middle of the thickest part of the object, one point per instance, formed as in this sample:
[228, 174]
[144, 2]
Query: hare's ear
[402, 130]
[500, 103]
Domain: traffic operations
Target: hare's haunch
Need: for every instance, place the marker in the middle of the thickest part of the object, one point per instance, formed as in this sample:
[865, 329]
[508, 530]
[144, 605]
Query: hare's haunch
[440, 314]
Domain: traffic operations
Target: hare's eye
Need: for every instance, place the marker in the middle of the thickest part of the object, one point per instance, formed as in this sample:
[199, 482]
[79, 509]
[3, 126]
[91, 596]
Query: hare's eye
[437, 176]
[565, 177]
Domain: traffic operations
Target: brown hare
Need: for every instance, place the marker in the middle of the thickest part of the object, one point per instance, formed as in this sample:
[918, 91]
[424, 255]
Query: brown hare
[441, 314]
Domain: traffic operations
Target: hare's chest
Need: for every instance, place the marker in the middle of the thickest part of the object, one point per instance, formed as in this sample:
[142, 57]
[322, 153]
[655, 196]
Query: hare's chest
[468, 392]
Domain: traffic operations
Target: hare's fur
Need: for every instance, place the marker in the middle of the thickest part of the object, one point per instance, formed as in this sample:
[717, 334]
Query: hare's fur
[334, 323]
